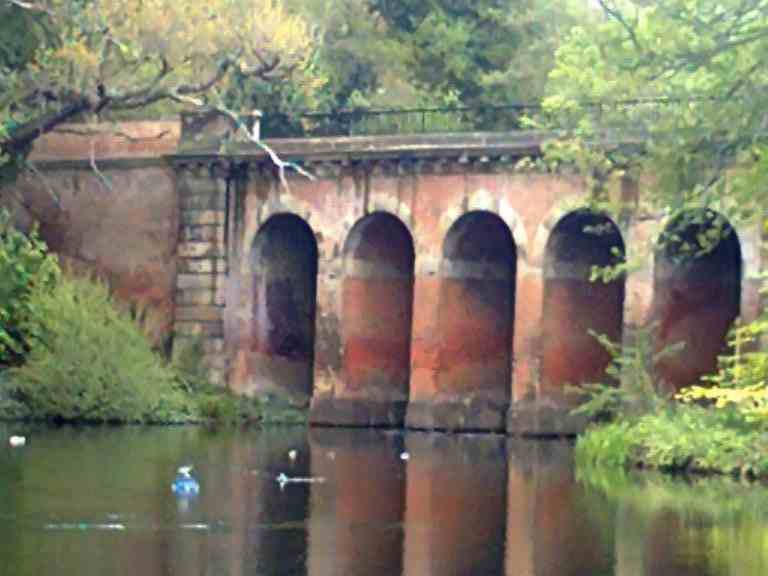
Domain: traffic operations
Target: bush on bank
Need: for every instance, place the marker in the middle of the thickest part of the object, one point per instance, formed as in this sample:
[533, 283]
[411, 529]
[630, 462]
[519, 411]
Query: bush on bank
[25, 266]
[719, 428]
[88, 361]
[678, 439]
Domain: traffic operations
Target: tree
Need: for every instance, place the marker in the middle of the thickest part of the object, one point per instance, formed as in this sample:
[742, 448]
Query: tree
[483, 51]
[672, 88]
[360, 64]
[77, 58]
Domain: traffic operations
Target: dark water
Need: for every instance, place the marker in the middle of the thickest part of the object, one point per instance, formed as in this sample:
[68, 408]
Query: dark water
[98, 501]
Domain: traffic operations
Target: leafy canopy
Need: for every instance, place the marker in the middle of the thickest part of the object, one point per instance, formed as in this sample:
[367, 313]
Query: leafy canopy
[102, 56]
[483, 51]
[673, 88]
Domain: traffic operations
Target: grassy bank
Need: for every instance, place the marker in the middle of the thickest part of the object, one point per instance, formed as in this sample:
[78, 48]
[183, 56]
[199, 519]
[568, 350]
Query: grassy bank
[719, 427]
[208, 405]
[678, 438]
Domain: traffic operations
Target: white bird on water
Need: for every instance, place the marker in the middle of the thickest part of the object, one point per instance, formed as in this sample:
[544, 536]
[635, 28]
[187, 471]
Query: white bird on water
[16, 441]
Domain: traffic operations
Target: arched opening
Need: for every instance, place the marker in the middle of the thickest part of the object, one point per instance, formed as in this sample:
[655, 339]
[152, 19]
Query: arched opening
[697, 291]
[377, 308]
[476, 308]
[574, 306]
[284, 260]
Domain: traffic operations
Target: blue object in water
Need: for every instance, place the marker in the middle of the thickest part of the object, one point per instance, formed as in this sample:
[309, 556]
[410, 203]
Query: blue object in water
[185, 484]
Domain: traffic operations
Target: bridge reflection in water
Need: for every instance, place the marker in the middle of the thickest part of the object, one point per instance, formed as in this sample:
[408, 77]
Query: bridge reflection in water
[463, 505]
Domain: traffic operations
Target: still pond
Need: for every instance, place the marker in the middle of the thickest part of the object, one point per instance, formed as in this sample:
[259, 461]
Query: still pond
[98, 501]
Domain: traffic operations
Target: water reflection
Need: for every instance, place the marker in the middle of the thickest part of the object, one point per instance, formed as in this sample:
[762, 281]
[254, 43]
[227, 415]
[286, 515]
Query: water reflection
[98, 501]
[555, 526]
[455, 506]
[355, 524]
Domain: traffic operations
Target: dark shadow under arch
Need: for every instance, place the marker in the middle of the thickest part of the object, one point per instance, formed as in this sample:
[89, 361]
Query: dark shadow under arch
[284, 263]
[377, 304]
[574, 306]
[697, 293]
[476, 309]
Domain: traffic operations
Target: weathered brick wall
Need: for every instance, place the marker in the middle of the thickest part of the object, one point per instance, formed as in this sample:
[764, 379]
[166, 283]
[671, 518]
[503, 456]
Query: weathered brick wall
[105, 201]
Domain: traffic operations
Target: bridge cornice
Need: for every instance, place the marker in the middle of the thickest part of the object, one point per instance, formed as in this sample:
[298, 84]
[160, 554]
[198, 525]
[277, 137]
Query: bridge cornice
[401, 151]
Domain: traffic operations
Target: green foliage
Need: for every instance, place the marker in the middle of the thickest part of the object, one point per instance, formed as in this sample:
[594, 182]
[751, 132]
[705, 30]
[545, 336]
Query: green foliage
[631, 366]
[741, 382]
[488, 51]
[407, 54]
[217, 405]
[88, 361]
[648, 429]
[25, 266]
[678, 438]
[74, 61]
[674, 89]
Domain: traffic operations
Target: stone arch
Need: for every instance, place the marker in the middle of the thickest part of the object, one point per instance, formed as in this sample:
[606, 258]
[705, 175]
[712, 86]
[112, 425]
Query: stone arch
[538, 248]
[377, 308]
[574, 306]
[478, 202]
[284, 266]
[697, 291]
[476, 309]
[277, 206]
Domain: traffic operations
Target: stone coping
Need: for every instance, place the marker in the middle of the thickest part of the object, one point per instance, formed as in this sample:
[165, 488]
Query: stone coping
[400, 147]
[107, 141]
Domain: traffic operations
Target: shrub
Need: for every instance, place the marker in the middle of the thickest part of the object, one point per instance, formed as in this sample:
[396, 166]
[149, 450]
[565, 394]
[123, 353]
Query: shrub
[678, 438]
[720, 428]
[25, 266]
[631, 366]
[218, 405]
[88, 361]
[741, 382]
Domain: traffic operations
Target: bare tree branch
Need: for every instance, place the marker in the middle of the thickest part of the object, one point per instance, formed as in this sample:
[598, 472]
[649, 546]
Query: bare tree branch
[30, 6]
[619, 17]
[281, 164]
[104, 180]
[48, 188]
[21, 137]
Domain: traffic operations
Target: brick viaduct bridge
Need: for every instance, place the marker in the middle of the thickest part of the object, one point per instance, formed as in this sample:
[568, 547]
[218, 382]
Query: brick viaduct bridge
[418, 280]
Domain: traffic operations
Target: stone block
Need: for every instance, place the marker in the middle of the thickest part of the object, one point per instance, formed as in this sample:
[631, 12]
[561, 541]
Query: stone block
[539, 418]
[197, 281]
[214, 346]
[197, 296]
[201, 313]
[197, 328]
[198, 250]
[475, 415]
[220, 295]
[203, 233]
[212, 200]
[211, 346]
[190, 186]
[328, 411]
[203, 216]
[204, 266]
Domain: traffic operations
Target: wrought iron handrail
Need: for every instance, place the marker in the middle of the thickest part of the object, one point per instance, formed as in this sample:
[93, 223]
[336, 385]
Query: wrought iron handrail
[374, 121]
